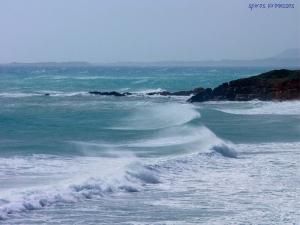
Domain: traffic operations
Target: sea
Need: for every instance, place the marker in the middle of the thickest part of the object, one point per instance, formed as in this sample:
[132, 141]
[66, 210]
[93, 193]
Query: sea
[75, 158]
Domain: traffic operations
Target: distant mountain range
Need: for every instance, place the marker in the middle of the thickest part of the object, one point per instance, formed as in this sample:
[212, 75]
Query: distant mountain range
[289, 58]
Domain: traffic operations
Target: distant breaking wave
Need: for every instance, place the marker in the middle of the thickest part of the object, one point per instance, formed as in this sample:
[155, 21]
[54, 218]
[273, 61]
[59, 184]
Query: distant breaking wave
[18, 95]
[261, 108]
[42, 93]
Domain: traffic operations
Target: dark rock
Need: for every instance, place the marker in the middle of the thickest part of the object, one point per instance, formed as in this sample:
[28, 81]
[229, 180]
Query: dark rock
[274, 85]
[176, 93]
[127, 93]
[111, 93]
[182, 93]
[203, 95]
[164, 93]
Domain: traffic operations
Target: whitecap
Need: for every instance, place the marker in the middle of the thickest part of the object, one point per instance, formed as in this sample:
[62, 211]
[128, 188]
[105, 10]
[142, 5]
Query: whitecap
[262, 108]
[17, 94]
[88, 178]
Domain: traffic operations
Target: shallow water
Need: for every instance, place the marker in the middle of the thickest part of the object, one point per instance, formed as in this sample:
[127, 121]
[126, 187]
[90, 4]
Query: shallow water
[74, 158]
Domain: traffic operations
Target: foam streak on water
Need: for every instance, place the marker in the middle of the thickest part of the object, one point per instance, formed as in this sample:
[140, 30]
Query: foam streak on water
[260, 108]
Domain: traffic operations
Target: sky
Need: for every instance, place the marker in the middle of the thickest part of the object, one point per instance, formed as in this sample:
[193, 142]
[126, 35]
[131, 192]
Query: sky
[144, 30]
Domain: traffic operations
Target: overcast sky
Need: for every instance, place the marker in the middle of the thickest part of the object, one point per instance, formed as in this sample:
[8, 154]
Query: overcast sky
[144, 30]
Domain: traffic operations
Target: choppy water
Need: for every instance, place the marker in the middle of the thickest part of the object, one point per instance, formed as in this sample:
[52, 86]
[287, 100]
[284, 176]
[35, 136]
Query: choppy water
[73, 158]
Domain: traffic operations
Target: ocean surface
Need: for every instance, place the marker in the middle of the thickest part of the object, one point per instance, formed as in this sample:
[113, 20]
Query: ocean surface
[75, 158]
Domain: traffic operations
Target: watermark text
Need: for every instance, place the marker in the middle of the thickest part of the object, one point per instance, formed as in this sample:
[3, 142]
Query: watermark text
[253, 6]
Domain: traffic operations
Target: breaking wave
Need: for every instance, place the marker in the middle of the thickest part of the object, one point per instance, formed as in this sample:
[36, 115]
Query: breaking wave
[78, 179]
[159, 116]
[95, 177]
[225, 150]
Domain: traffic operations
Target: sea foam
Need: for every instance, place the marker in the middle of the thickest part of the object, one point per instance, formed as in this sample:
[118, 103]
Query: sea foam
[90, 178]
[261, 108]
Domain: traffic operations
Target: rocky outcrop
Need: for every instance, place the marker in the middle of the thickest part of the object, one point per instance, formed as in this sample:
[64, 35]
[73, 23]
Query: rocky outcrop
[274, 85]
[112, 93]
[162, 93]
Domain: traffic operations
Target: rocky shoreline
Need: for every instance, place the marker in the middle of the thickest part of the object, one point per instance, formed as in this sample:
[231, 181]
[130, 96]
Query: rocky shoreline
[278, 85]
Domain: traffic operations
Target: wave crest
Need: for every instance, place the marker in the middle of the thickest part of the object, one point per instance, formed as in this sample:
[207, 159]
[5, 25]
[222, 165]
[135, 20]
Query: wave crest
[159, 116]
[225, 150]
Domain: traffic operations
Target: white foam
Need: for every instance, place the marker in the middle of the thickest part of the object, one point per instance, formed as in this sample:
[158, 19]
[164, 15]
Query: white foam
[87, 178]
[73, 179]
[42, 93]
[17, 94]
[65, 94]
[260, 108]
[272, 147]
[147, 91]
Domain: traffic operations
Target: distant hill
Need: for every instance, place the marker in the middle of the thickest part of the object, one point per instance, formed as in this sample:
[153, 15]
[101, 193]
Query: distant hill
[289, 54]
[50, 64]
[289, 58]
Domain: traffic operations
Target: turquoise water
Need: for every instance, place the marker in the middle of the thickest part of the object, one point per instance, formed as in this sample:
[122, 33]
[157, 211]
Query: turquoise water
[74, 158]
